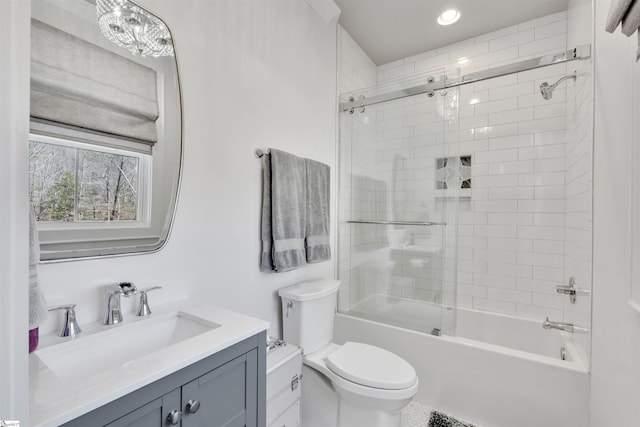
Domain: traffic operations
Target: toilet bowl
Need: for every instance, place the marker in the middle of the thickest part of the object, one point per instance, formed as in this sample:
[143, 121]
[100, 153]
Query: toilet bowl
[349, 385]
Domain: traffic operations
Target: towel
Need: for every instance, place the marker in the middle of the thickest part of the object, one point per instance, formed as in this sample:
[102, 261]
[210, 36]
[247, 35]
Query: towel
[627, 12]
[317, 233]
[617, 11]
[37, 303]
[284, 226]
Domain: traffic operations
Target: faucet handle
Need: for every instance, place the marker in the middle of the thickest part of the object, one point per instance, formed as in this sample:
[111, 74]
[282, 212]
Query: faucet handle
[143, 307]
[70, 327]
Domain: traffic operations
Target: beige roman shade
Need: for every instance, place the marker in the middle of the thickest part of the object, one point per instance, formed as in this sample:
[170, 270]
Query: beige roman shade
[80, 85]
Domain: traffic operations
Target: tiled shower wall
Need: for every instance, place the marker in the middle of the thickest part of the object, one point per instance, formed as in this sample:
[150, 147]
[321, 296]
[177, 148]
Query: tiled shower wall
[527, 221]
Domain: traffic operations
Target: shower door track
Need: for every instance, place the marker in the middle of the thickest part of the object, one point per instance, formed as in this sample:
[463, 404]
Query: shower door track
[422, 223]
[578, 53]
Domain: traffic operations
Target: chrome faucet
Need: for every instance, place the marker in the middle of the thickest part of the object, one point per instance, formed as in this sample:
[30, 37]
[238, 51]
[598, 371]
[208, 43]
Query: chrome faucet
[70, 328]
[143, 306]
[567, 327]
[113, 313]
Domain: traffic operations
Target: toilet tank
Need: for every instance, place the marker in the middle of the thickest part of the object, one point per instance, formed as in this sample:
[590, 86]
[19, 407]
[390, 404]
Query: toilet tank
[307, 313]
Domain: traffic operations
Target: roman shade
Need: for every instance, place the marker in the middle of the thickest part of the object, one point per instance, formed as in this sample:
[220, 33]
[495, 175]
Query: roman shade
[78, 84]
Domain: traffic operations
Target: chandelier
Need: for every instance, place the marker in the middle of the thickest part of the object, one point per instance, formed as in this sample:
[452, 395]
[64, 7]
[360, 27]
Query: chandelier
[133, 28]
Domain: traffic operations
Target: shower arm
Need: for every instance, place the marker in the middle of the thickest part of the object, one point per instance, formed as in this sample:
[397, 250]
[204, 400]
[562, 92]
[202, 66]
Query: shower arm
[569, 76]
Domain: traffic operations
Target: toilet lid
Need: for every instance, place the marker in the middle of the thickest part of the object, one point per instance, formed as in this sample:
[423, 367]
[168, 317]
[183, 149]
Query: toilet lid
[371, 366]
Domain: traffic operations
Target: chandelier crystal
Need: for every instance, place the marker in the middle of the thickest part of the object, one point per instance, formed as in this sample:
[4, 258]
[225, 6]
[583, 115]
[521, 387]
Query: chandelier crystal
[133, 28]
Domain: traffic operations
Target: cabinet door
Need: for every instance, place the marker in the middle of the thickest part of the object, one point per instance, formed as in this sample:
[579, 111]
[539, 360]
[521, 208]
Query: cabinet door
[225, 396]
[153, 414]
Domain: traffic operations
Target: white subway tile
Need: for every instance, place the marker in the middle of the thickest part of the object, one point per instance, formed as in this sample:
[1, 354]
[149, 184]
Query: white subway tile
[510, 91]
[475, 121]
[510, 219]
[539, 232]
[514, 141]
[538, 286]
[549, 110]
[507, 282]
[472, 290]
[494, 306]
[511, 193]
[549, 138]
[512, 116]
[496, 156]
[433, 63]
[542, 125]
[550, 192]
[497, 105]
[549, 246]
[557, 42]
[547, 300]
[538, 313]
[495, 205]
[541, 179]
[552, 29]
[468, 147]
[510, 53]
[398, 72]
[514, 270]
[493, 181]
[511, 40]
[559, 16]
[497, 34]
[549, 219]
[550, 165]
[541, 152]
[510, 167]
[548, 273]
[510, 295]
[508, 231]
[495, 131]
[495, 255]
[548, 206]
[542, 260]
[510, 244]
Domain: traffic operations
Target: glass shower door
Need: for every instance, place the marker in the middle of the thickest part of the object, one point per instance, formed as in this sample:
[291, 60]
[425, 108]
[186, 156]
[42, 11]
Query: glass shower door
[400, 176]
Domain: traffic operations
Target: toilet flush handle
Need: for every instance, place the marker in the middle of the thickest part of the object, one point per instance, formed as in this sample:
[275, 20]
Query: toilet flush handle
[289, 305]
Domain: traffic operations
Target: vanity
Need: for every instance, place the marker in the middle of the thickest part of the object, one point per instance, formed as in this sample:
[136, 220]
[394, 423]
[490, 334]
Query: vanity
[189, 365]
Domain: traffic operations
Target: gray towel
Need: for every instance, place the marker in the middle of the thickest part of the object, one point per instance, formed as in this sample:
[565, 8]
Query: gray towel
[37, 303]
[317, 233]
[284, 212]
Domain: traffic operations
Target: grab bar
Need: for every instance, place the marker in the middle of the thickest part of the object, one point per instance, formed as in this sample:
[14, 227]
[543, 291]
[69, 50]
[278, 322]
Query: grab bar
[425, 224]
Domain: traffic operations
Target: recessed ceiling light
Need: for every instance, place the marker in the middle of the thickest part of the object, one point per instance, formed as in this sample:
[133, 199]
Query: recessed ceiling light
[448, 17]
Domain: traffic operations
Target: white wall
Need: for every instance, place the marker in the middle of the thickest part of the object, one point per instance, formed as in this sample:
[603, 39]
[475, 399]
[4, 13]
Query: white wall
[254, 74]
[14, 229]
[615, 356]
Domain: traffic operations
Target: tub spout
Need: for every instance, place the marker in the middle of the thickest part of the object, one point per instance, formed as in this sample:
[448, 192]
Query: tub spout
[567, 327]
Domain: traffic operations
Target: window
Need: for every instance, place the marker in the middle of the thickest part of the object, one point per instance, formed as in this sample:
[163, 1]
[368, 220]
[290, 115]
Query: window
[75, 184]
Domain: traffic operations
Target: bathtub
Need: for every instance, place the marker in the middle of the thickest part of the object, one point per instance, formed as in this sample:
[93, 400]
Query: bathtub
[499, 371]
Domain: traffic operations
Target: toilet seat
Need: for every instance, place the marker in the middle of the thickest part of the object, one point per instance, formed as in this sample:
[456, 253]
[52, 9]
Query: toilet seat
[371, 366]
[318, 361]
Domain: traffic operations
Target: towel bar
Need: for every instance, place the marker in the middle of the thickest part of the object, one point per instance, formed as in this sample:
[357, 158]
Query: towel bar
[425, 224]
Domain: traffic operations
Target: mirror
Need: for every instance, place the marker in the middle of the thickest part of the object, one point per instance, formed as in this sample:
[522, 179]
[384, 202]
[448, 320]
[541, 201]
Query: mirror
[106, 128]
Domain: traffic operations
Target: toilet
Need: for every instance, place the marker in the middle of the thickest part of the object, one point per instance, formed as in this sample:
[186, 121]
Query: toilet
[349, 385]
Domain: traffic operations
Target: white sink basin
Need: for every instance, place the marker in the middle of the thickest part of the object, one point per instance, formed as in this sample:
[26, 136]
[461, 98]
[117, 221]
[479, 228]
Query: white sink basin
[119, 347]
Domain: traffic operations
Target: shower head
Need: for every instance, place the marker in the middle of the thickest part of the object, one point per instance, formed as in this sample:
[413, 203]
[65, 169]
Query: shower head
[547, 90]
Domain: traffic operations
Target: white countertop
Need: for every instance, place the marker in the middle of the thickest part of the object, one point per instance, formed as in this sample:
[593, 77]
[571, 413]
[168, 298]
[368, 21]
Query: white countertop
[54, 401]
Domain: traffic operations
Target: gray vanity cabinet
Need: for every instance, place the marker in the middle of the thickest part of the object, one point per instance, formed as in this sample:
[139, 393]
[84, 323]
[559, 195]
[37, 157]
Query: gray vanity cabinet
[226, 389]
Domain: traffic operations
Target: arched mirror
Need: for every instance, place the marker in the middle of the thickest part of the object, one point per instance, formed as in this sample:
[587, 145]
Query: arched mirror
[106, 128]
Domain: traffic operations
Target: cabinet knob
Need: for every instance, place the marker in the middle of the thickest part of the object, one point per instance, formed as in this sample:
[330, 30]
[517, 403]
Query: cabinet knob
[192, 406]
[174, 417]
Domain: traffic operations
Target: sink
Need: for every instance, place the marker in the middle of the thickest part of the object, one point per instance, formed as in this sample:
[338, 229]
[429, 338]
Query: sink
[118, 348]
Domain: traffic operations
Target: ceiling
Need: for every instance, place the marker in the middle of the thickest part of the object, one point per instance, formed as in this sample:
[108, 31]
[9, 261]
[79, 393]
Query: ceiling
[388, 30]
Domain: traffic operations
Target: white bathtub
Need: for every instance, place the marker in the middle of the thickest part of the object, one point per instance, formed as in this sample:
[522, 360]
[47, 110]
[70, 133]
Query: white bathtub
[500, 371]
